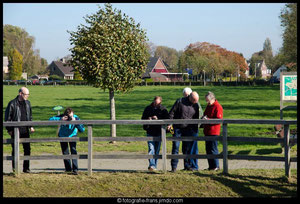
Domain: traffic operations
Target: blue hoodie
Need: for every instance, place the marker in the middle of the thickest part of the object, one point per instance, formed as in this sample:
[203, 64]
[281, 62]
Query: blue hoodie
[68, 130]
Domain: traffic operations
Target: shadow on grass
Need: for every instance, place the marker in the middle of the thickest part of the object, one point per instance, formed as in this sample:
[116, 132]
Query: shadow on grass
[269, 151]
[79, 99]
[251, 186]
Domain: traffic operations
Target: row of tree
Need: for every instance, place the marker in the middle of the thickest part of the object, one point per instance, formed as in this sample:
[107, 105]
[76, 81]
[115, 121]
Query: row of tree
[203, 57]
[18, 46]
[200, 56]
[287, 54]
[214, 60]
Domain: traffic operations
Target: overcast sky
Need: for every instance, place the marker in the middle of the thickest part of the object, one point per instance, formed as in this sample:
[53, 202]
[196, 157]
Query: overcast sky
[239, 27]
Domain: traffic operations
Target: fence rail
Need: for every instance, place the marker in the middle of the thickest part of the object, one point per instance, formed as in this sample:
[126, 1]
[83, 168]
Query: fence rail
[164, 156]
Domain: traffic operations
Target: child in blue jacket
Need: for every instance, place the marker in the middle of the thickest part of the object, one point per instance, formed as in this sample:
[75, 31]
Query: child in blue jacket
[69, 130]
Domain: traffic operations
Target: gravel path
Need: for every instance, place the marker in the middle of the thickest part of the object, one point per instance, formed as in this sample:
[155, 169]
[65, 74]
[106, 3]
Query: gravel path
[138, 164]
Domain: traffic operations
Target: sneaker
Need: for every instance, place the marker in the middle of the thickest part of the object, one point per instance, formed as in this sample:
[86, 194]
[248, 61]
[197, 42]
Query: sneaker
[152, 168]
[173, 170]
[215, 169]
[26, 171]
[75, 172]
[212, 169]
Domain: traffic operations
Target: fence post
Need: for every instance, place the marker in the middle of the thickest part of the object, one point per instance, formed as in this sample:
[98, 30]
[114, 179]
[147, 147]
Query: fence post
[90, 149]
[287, 155]
[164, 147]
[225, 149]
[17, 150]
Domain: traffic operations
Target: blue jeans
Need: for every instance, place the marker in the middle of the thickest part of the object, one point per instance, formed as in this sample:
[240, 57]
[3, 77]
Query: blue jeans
[65, 151]
[212, 148]
[153, 149]
[188, 147]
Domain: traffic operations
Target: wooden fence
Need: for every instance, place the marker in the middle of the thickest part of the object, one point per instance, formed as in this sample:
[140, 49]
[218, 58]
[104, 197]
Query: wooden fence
[164, 156]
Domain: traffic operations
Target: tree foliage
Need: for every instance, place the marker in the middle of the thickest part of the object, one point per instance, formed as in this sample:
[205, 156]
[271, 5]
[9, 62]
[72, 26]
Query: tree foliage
[288, 17]
[17, 38]
[168, 55]
[15, 64]
[213, 59]
[265, 54]
[110, 52]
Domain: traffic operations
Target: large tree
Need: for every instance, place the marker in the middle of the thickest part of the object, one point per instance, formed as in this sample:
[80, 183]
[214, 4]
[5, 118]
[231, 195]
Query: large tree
[288, 19]
[213, 59]
[18, 38]
[110, 52]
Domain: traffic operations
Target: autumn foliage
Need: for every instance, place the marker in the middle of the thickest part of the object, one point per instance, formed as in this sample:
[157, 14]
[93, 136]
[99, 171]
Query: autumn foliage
[213, 59]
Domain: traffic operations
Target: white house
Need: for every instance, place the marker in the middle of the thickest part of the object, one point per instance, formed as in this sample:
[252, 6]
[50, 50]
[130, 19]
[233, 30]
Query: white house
[276, 74]
[5, 65]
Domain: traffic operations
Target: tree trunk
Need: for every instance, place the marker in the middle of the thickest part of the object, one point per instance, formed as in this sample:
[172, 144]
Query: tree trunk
[112, 114]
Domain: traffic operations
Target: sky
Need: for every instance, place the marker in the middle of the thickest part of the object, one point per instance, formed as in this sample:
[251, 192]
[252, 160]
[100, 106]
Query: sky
[238, 27]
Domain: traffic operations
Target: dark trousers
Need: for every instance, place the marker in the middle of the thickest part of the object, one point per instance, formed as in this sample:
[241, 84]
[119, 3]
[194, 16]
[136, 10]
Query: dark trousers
[212, 148]
[188, 148]
[26, 148]
[65, 151]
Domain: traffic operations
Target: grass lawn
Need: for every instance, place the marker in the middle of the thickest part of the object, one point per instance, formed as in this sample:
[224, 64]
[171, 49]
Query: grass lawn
[244, 183]
[89, 103]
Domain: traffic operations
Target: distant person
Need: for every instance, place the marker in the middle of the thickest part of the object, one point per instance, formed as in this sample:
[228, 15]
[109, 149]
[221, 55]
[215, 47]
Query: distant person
[185, 108]
[154, 111]
[213, 111]
[19, 109]
[69, 131]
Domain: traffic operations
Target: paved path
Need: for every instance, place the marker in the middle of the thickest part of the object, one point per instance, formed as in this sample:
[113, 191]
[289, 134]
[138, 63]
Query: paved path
[138, 164]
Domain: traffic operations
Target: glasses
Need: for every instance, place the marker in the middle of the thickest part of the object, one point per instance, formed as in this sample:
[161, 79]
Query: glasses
[25, 94]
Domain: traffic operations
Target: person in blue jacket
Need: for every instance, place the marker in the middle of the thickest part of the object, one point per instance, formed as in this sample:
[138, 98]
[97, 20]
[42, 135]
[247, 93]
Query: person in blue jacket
[69, 130]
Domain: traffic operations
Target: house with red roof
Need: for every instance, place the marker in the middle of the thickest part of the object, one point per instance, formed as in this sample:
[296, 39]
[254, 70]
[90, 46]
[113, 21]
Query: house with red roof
[157, 70]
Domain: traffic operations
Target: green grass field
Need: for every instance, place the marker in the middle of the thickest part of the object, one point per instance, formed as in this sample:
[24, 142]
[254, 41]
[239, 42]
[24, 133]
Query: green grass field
[89, 103]
[92, 104]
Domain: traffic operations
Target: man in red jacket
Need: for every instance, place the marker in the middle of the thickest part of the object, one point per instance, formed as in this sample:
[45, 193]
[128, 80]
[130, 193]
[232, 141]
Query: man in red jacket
[213, 111]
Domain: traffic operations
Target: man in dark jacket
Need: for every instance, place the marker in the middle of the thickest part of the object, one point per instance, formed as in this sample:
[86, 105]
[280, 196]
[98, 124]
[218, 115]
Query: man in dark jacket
[19, 109]
[185, 108]
[154, 111]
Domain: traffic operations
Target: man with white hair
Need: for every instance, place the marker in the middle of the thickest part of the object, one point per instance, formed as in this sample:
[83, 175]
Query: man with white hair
[187, 91]
[19, 109]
